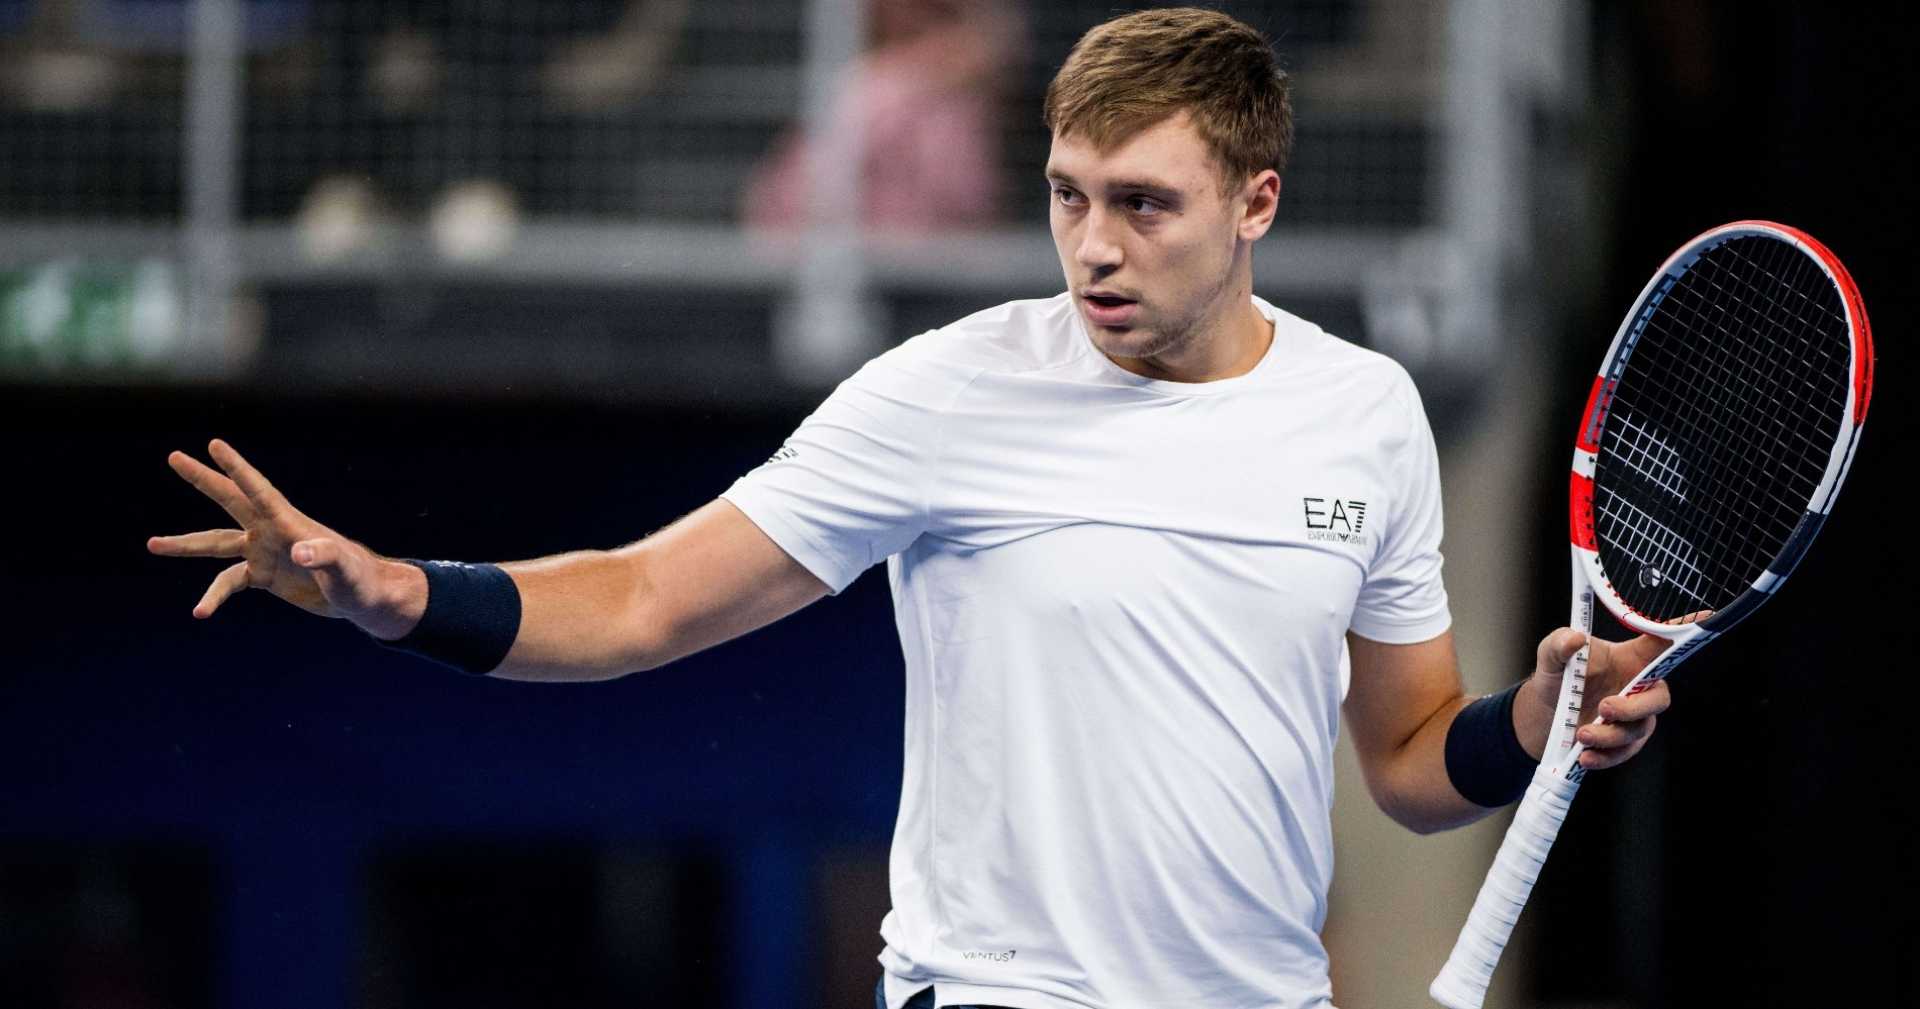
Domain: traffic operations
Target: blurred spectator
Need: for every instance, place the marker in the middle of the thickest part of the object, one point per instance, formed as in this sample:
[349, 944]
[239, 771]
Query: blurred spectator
[471, 113]
[620, 65]
[94, 99]
[45, 64]
[67, 55]
[926, 99]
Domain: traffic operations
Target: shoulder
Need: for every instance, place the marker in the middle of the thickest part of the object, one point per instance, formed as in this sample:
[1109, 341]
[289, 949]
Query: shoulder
[931, 370]
[1015, 336]
[1317, 354]
[1370, 397]
[1338, 369]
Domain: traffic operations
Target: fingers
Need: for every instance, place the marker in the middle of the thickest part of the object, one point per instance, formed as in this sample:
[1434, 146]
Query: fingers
[223, 491]
[1633, 707]
[1613, 744]
[335, 570]
[1613, 735]
[1623, 660]
[212, 543]
[259, 493]
[1627, 723]
[225, 584]
[319, 553]
[1557, 649]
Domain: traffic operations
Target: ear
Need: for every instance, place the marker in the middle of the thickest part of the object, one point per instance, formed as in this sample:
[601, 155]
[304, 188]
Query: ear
[1262, 198]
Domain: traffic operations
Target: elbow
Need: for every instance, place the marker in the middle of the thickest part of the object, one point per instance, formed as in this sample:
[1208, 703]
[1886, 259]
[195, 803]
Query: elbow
[1426, 822]
[637, 664]
[651, 639]
[1421, 812]
[1433, 818]
[1425, 825]
[645, 634]
[643, 650]
[1389, 801]
[1407, 814]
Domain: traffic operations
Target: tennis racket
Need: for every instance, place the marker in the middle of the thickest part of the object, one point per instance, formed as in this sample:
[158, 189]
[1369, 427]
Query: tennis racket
[1714, 442]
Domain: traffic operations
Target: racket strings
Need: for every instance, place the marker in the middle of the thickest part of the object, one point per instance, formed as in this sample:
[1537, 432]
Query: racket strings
[1786, 346]
[1649, 455]
[1720, 375]
[1715, 314]
[1651, 542]
[1722, 420]
[1709, 311]
[1714, 310]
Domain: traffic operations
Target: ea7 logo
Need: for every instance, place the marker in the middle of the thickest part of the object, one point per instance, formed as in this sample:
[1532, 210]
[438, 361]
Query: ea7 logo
[1335, 514]
[1336, 520]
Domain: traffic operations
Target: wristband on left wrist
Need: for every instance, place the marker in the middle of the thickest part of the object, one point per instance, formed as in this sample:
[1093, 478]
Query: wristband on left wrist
[1485, 761]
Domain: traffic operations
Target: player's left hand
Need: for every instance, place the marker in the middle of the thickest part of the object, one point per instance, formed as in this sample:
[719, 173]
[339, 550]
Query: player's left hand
[1624, 723]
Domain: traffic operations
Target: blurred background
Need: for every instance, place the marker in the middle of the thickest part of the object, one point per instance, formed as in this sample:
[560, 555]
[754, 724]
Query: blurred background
[489, 280]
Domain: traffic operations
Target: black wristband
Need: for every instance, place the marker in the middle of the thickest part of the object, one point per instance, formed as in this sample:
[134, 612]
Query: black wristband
[1485, 760]
[472, 616]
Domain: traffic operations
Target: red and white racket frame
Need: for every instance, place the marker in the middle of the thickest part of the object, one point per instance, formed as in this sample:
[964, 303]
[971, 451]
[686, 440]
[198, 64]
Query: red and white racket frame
[1463, 980]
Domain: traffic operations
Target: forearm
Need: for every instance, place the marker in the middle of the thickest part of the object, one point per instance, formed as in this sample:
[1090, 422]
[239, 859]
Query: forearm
[1412, 786]
[580, 615]
[1416, 788]
[592, 615]
[595, 615]
[1430, 767]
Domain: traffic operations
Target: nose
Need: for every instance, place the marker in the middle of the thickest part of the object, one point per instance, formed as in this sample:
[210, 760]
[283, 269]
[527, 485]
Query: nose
[1099, 247]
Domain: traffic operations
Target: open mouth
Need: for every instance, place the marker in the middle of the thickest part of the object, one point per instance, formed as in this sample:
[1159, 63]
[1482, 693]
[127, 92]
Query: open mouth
[1110, 310]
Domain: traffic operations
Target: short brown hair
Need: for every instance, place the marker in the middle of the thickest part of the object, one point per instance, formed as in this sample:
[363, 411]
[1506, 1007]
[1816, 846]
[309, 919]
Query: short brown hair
[1131, 72]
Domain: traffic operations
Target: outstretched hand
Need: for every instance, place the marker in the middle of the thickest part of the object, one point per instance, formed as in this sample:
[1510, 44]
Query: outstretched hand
[279, 549]
[1624, 723]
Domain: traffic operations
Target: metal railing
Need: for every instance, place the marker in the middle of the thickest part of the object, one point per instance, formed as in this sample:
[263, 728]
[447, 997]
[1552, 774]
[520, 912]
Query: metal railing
[1406, 198]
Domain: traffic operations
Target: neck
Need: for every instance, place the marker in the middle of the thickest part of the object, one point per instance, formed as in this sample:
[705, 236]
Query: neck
[1227, 345]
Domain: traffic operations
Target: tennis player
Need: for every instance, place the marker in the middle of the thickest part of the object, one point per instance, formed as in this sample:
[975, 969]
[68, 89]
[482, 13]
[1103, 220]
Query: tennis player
[1132, 531]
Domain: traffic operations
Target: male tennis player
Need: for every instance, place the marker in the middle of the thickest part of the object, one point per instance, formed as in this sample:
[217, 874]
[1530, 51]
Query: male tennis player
[1130, 530]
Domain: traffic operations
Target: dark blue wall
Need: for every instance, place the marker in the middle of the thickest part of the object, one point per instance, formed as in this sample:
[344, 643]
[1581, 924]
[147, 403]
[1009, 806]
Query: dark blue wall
[279, 755]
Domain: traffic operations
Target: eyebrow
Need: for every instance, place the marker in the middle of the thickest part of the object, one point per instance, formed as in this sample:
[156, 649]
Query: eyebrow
[1149, 185]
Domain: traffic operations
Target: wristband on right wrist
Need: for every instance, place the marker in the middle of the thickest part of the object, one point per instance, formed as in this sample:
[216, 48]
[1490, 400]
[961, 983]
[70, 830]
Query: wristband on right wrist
[472, 616]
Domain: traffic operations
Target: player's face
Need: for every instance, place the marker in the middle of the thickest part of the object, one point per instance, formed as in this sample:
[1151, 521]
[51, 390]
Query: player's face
[1150, 244]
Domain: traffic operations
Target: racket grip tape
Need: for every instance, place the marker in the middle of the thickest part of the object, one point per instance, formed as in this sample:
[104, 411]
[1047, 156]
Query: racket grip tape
[1462, 982]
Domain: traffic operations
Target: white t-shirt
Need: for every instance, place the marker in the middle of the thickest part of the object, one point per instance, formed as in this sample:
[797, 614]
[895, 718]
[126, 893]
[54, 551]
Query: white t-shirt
[1122, 603]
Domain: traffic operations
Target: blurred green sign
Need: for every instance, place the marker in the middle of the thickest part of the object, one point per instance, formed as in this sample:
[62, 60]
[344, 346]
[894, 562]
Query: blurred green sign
[71, 315]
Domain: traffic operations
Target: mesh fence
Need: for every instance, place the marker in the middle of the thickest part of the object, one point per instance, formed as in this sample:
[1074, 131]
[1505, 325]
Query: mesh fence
[633, 109]
[90, 121]
[602, 107]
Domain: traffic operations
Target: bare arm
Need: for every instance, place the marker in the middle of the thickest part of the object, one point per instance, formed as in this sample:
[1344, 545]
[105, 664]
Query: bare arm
[1404, 699]
[1401, 703]
[588, 615]
[708, 578]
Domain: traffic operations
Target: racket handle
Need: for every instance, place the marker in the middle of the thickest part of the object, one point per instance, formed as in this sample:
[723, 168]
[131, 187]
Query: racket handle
[1462, 983]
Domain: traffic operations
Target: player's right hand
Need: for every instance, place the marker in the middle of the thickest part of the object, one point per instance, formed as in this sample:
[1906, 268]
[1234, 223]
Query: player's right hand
[281, 550]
